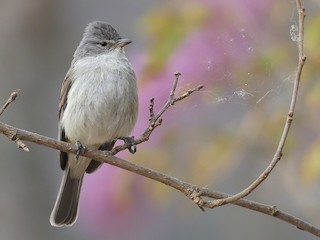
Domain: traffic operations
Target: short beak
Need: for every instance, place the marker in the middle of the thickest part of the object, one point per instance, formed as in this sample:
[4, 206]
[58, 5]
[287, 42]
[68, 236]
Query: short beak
[121, 43]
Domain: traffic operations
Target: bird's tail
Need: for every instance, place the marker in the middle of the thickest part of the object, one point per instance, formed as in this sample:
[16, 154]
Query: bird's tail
[65, 209]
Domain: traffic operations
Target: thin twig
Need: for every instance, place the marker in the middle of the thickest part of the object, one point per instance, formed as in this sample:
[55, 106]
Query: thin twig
[151, 109]
[12, 97]
[192, 191]
[278, 154]
[174, 87]
[155, 120]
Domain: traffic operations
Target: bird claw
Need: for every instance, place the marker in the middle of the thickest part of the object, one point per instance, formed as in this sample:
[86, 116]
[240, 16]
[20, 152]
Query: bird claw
[80, 149]
[129, 141]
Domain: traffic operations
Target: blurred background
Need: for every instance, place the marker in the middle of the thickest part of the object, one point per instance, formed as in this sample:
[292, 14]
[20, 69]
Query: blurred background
[245, 54]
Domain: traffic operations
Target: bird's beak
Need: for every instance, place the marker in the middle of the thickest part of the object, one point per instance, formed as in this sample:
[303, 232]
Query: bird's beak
[121, 43]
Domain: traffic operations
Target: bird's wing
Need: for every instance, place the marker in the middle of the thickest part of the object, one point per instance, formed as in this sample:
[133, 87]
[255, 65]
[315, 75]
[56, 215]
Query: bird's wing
[94, 164]
[66, 85]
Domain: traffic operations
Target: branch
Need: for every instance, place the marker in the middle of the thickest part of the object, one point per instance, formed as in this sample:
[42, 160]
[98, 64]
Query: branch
[155, 120]
[12, 97]
[192, 191]
[278, 154]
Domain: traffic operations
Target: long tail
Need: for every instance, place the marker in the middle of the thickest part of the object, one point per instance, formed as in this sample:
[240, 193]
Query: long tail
[65, 209]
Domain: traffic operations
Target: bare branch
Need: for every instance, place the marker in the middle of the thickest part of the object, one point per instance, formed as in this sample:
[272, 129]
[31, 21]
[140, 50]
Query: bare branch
[12, 97]
[151, 110]
[192, 191]
[278, 154]
[155, 120]
[174, 86]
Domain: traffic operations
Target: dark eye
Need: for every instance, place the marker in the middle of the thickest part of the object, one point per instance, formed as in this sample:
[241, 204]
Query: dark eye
[103, 43]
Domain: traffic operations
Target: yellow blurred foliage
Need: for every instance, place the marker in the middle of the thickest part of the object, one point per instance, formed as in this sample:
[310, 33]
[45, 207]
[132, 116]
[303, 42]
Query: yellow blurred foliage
[312, 35]
[166, 27]
[310, 168]
[313, 97]
[212, 159]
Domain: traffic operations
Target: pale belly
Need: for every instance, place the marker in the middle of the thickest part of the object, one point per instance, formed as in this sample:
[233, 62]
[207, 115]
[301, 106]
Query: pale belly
[100, 108]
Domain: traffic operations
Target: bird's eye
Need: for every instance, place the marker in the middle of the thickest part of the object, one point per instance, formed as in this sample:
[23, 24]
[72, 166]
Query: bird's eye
[103, 43]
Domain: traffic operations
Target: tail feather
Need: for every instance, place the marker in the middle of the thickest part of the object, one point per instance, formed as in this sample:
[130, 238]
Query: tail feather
[65, 210]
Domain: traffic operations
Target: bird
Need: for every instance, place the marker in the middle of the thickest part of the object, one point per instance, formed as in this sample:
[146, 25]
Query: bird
[98, 105]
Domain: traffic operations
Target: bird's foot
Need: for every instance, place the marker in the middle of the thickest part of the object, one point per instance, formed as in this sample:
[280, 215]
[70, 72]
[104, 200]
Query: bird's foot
[80, 149]
[131, 145]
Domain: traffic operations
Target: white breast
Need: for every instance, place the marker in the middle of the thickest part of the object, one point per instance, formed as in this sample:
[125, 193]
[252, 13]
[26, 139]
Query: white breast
[102, 103]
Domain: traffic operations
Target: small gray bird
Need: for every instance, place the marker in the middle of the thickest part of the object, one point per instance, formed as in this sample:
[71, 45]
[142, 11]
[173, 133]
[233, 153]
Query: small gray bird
[98, 105]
